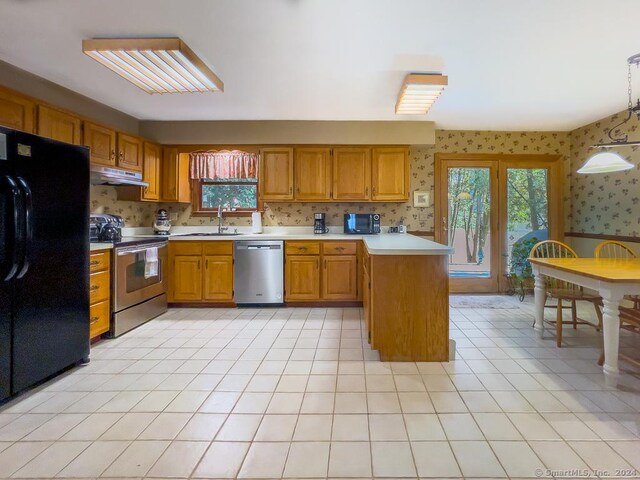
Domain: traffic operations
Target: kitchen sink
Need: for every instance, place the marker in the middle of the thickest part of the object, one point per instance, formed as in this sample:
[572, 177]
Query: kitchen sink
[223, 234]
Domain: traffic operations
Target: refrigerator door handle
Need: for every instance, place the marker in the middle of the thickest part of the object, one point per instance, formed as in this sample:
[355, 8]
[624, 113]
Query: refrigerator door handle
[12, 244]
[28, 226]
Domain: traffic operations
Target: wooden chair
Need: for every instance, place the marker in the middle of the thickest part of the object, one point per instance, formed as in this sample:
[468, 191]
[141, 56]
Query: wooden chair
[564, 291]
[630, 321]
[613, 249]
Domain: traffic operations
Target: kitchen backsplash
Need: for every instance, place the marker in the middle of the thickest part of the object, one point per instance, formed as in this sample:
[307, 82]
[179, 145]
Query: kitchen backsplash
[422, 178]
[605, 203]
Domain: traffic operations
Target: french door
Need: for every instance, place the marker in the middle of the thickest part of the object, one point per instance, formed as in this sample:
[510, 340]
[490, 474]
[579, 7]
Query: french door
[491, 209]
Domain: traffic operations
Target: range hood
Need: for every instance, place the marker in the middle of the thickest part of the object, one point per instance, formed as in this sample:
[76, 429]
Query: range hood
[101, 175]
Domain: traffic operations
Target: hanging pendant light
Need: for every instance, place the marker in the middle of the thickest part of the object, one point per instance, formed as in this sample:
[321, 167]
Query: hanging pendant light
[605, 161]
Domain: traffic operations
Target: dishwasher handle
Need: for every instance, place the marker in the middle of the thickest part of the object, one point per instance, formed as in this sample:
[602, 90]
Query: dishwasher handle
[258, 246]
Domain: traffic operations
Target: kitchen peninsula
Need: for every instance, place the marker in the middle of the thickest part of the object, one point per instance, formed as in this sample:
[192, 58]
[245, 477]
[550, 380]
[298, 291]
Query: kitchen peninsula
[400, 279]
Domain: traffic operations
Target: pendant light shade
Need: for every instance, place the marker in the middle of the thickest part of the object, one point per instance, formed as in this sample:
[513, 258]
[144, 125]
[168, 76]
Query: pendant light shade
[605, 162]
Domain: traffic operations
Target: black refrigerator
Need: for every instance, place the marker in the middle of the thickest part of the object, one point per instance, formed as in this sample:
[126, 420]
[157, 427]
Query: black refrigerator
[44, 264]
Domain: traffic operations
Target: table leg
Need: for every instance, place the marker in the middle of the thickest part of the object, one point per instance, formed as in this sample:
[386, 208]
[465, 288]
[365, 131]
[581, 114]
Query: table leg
[539, 298]
[611, 298]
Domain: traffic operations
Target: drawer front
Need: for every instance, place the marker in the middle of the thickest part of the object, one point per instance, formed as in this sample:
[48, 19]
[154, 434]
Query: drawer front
[216, 247]
[98, 287]
[99, 261]
[99, 318]
[185, 247]
[339, 248]
[302, 248]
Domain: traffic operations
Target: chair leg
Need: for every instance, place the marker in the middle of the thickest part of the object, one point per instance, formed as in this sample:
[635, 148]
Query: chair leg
[559, 324]
[574, 314]
[599, 316]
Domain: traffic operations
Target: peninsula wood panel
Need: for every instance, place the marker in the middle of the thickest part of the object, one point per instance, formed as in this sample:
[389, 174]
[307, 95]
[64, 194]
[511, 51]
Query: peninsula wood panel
[312, 170]
[16, 111]
[409, 307]
[59, 125]
[101, 141]
[351, 173]
[276, 173]
[390, 174]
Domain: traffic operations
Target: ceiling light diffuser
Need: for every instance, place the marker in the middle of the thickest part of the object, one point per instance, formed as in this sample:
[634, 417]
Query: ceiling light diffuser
[156, 65]
[419, 91]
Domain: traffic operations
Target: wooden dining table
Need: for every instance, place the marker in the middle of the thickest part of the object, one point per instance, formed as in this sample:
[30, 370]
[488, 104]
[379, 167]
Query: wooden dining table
[612, 278]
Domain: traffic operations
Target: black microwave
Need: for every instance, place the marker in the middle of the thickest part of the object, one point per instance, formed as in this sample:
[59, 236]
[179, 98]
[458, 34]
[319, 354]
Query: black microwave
[361, 223]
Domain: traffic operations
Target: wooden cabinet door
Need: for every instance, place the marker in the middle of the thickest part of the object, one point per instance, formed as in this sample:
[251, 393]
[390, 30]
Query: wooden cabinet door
[312, 169]
[58, 125]
[302, 277]
[339, 277]
[174, 176]
[218, 278]
[187, 278]
[102, 143]
[129, 152]
[151, 172]
[351, 173]
[16, 111]
[276, 173]
[390, 174]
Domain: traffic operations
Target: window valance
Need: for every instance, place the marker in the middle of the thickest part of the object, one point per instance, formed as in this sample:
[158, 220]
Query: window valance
[223, 164]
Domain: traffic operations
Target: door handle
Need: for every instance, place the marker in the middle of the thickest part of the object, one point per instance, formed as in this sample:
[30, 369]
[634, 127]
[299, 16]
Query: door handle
[14, 194]
[28, 222]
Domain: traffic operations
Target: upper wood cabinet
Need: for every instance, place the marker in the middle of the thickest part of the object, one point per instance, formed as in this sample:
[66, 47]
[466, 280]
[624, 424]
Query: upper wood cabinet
[129, 152]
[174, 176]
[16, 111]
[312, 167]
[351, 173]
[276, 173]
[151, 171]
[58, 125]
[390, 174]
[102, 143]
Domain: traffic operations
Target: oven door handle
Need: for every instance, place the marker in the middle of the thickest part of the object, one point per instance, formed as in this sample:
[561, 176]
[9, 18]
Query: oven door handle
[139, 250]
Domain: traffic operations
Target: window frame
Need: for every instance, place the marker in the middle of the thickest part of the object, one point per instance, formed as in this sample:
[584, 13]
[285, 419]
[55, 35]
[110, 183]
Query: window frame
[198, 209]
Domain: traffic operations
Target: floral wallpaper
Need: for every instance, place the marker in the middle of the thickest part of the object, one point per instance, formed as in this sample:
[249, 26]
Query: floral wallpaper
[422, 178]
[104, 199]
[605, 203]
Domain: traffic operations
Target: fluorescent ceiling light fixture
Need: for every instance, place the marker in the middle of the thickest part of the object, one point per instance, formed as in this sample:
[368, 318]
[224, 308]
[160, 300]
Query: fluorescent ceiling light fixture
[156, 65]
[605, 162]
[419, 91]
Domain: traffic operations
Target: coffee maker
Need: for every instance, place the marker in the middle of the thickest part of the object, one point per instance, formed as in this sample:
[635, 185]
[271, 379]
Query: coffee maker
[319, 223]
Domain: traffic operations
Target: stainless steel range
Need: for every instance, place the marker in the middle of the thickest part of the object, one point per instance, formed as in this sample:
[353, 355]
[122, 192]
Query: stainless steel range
[139, 284]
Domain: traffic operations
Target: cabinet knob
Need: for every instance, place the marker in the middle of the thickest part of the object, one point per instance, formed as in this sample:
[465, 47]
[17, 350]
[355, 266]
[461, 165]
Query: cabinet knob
[290, 189]
[366, 191]
[373, 190]
[94, 262]
[113, 154]
[93, 288]
[94, 319]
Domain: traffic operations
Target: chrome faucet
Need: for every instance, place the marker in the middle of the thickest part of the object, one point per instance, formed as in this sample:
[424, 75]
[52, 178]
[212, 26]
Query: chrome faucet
[220, 227]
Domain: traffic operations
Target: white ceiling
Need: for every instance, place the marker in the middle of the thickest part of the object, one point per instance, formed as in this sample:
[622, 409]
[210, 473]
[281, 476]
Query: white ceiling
[512, 64]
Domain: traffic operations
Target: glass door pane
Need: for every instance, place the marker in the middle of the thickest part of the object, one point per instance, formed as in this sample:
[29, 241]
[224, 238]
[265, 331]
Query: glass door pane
[527, 216]
[468, 222]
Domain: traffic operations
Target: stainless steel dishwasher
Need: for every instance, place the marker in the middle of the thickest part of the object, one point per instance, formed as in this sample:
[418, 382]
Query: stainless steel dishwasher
[259, 272]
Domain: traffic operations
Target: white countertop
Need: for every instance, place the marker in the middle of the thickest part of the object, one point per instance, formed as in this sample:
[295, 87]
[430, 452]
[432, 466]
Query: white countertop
[380, 244]
[100, 246]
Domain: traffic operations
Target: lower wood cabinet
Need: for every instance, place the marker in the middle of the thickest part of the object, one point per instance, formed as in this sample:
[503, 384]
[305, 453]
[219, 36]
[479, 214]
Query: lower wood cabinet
[218, 278]
[318, 271]
[99, 293]
[200, 271]
[302, 277]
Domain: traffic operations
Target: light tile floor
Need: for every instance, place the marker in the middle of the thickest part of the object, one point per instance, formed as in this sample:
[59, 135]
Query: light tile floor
[297, 393]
